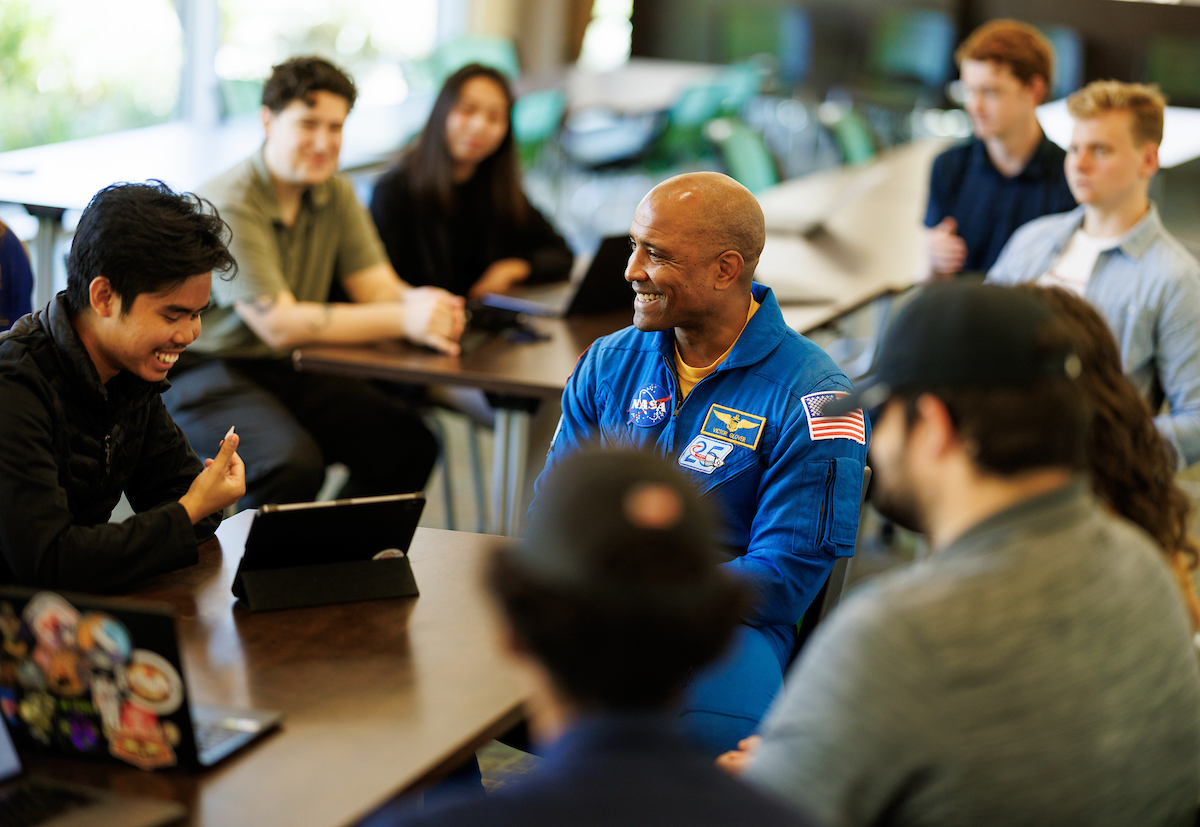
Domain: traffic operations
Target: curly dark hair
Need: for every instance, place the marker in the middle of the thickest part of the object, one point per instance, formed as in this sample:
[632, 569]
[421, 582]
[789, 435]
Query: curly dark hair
[1131, 465]
[145, 238]
[300, 77]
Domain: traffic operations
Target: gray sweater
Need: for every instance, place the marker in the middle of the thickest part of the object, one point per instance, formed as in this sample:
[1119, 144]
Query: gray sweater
[1036, 671]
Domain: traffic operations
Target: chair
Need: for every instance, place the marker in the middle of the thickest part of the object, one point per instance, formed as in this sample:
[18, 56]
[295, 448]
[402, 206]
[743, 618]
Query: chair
[536, 118]
[831, 591]
[16, 279]
[745, 154]
[497, 52]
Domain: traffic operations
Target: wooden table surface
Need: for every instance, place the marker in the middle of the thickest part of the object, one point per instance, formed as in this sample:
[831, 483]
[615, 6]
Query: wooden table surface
[379, 696]
[536, 370]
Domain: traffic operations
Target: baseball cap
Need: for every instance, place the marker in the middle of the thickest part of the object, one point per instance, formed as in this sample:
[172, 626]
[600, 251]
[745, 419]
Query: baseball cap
[962, 334]
[621, 524]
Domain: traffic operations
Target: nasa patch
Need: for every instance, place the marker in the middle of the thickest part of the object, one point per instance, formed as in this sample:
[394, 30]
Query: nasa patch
[705, 454]
[649, 406]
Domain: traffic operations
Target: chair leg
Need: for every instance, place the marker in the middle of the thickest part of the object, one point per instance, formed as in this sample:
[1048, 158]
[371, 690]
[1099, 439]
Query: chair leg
[477, 474]
[439, 431]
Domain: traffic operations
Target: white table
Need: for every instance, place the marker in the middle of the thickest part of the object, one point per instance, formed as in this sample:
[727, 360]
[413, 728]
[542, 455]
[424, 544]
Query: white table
[50, 179]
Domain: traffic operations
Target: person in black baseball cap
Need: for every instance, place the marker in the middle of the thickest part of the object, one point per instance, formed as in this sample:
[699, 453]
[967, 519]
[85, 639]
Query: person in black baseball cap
[612, 599]
[980, 685]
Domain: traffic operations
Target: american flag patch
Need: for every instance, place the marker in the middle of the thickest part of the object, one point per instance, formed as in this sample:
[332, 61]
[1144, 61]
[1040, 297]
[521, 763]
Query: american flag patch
[847, 426]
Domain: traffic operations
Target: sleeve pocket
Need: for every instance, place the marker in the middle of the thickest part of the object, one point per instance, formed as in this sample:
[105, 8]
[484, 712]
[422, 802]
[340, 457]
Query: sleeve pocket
[830, 496]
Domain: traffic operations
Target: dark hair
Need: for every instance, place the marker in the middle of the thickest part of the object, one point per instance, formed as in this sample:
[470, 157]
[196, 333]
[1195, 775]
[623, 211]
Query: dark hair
[300, 77]
[606, 652]
[431, 167]
[145, 238]
[1131, 464]
[1010, 429]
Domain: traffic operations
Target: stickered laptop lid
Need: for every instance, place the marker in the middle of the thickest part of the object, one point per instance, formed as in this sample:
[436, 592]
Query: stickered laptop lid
[94, 677]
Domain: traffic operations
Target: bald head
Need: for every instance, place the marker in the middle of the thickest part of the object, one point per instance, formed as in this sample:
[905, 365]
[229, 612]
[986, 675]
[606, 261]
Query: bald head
[714, 211]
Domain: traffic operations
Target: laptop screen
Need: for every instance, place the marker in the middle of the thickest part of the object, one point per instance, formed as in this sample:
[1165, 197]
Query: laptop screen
[10, 764]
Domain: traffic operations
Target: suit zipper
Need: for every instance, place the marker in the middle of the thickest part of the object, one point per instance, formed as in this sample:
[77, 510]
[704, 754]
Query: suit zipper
[824, 502]
[107, 453]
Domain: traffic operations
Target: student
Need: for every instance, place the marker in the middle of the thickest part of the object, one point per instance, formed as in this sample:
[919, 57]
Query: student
[610, 752]
[1036, 667]
[452, 212]
[1131, 468]
[16, 279]
[1010, 172]
[1114, 251]
[296, 227]
[710, 377]
[82, 419]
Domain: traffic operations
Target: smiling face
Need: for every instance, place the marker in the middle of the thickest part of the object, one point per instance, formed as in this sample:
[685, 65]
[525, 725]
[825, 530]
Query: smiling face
[997, 102]
[147, 340]
[1105, 165]
[303, 141]
[671, 269]
[477, 123]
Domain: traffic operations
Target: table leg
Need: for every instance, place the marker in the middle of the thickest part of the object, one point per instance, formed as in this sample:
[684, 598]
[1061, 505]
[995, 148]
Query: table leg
[49, 223]
[499, 511]
[518, 445]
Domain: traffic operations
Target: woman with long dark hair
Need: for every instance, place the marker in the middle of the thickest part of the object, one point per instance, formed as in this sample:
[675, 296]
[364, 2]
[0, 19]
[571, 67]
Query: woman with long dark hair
[1132, 468]
[452, 213]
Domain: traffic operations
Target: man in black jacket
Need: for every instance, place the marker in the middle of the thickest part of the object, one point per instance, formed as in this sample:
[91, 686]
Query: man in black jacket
[81, 419]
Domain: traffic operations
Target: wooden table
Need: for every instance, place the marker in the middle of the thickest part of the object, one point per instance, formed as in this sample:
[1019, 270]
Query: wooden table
[873, 245]
[515, 374]
[379, 696]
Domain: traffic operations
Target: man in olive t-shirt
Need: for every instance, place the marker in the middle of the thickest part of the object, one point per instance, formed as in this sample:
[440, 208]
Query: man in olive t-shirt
[296, 227]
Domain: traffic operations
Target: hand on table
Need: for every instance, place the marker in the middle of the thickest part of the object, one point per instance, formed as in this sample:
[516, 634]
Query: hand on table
[947, 250]
[500, 276]
[220, 484]
[735, 761]
[433, 317]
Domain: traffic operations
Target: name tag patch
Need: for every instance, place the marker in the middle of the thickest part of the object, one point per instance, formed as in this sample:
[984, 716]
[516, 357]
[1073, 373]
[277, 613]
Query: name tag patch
[738, 427]
[649, 405]
[705, 454]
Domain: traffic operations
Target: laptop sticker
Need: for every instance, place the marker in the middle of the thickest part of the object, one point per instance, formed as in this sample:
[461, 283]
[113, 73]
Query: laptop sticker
[649, 406]
[75, 681]
[738, 427]
[705, 454]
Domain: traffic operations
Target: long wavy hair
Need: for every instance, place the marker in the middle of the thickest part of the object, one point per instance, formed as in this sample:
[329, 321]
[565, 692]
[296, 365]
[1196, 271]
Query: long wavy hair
[431, 168]
[1131, 465]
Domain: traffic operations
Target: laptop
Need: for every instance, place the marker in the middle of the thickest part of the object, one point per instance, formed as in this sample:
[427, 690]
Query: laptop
[602, 289]
[42, 802]
[337, 551]
[98, 677]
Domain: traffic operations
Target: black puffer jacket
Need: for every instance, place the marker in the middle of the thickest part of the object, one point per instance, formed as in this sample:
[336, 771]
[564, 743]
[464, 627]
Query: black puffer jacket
[69, 445]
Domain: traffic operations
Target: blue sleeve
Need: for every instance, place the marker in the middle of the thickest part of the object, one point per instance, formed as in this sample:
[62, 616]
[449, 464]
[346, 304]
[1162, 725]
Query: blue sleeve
[578, 426]
[16, 280]
[806, 517]
[1178, 337]
[937, 208]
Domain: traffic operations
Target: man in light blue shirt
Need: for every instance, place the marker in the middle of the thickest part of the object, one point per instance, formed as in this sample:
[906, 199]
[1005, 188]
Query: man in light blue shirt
[1114, 251]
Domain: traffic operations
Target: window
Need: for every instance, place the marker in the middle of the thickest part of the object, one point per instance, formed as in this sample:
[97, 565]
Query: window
[71, 69]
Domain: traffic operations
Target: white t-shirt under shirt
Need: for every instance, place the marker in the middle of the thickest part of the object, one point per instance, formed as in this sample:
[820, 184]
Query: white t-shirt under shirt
[1074, 267]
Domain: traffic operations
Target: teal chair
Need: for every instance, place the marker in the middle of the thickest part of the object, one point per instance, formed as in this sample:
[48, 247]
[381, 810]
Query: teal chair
[853, 137]
[1173, 62]
[497, 52]
[745, 154]
[536, 118]
[783, 32]
[1068, 60]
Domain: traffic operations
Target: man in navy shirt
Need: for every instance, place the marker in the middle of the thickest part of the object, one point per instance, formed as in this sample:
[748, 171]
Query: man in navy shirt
[605, 621]
[1010, 173]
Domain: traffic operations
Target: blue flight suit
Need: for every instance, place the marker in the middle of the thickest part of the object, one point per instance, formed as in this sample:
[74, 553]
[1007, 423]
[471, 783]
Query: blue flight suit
[786, 486]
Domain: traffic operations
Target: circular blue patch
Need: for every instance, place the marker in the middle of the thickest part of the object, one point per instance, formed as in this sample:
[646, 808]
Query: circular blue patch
[649, 405]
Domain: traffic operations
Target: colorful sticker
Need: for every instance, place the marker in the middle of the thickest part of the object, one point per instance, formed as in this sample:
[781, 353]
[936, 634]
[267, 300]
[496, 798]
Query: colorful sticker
[81, 732]
[52, 620]
[66, 674]
[705, 454]
[738, 427]
[844, 426]
[103, 640]
[107, 701]
[153, 682]
[143, 751]
[649, 406]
